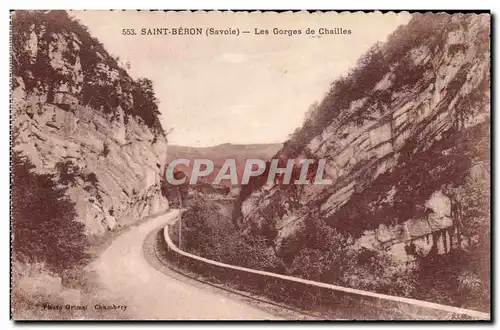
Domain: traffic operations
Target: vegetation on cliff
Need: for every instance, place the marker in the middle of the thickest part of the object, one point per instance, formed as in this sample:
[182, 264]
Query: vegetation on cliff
[207, 231]
[68, 92]
[427, 90]
[100, 82]
[44, 227]
[392, 56]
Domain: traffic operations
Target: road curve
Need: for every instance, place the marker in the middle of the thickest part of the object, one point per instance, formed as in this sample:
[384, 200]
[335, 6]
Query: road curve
[128, 279]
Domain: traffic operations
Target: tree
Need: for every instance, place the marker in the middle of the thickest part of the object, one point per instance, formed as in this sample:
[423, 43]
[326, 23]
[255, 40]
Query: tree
[43, 220]
[323, 258]
[145, 102]
[196, 232]
[176, 194]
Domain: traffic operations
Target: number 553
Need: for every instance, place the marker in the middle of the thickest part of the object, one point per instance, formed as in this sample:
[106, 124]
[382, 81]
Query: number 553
[128, 32]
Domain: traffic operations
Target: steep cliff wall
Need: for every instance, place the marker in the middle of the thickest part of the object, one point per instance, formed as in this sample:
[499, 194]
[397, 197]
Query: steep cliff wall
[410, 119]
[77, 113]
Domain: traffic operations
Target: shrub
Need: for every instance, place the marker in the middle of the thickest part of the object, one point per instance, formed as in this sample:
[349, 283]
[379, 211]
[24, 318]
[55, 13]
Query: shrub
[105, 149]
[44, 225]
[208, 232]
[146, 103]
[68, 172]
[91, 178]
[331, 257]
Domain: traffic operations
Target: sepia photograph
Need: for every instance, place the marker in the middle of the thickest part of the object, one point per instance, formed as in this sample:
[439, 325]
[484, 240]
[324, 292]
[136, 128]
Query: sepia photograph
[250, 165]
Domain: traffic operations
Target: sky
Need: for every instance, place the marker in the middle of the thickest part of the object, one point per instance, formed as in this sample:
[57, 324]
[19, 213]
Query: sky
[242, 89]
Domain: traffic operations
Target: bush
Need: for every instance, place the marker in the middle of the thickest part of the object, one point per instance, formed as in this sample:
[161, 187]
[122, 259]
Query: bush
[375, 271]
[105, 149]
[209, 233]
[146, 103]
[44, 225]
[91, 178]
[332, 258]
[68, 172]
[176, 194]
[329, 256]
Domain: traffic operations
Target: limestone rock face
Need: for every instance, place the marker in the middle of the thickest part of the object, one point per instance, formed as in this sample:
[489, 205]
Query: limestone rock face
[72, 114]
[404, 131]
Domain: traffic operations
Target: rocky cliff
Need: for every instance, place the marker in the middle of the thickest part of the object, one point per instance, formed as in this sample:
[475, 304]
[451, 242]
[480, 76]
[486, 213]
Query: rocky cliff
[76, 112]
[410, 119]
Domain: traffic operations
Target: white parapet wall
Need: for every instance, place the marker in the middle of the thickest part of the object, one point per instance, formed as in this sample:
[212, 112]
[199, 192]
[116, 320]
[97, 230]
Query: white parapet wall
[415, 309]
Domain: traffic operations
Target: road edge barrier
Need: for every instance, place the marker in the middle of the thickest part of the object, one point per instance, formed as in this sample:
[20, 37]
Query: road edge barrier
[359, 303]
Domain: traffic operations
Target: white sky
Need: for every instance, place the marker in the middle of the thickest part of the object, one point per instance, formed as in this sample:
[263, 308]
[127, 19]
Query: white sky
[245, 89]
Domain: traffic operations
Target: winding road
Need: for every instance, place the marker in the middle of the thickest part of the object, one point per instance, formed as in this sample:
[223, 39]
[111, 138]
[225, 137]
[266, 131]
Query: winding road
[128, 279]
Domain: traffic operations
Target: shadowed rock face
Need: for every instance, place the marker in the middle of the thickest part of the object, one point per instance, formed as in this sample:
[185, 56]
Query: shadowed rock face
[73, 114]
[393, 137]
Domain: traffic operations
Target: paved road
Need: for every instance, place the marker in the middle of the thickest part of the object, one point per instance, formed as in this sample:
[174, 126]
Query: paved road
[151, 295]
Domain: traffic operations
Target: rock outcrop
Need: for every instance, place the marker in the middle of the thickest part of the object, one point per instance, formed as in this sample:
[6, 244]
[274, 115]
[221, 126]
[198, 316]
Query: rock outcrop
[75, 113]
[412, 118]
